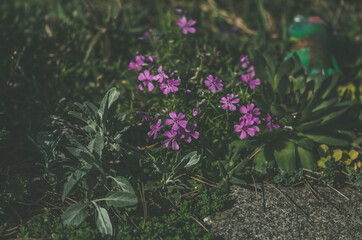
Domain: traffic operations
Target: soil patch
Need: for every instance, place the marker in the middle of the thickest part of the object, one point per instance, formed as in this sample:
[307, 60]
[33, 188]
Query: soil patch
[297, 215]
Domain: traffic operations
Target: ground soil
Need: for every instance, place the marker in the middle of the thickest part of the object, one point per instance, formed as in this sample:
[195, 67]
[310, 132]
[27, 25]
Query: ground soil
[299, 212]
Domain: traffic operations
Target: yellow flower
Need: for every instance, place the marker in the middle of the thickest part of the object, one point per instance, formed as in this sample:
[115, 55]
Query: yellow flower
[353, 154]
[337, 154]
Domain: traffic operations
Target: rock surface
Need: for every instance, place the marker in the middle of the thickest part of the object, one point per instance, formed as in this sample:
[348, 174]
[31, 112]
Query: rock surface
[326, 215]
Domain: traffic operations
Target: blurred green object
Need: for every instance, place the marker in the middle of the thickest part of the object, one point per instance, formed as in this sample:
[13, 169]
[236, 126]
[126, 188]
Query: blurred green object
[313, 40]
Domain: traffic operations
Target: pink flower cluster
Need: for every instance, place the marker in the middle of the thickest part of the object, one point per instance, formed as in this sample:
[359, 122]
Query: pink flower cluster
[249, 78]
[181, 129]
[246, 122]
[249, 121]
[148, 79]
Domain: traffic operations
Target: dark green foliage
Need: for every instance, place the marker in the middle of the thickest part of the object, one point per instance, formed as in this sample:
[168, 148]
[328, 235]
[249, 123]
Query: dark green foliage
[47, 226]
[210, 201]
[356, 177]
[287, 179]
[58, 52]
[308, 112]
[179, 225]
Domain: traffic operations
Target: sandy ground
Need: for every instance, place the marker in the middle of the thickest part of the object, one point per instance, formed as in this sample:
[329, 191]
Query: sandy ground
[292, 213]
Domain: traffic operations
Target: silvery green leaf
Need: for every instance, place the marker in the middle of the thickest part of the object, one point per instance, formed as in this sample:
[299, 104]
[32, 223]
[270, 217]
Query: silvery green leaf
[109, 99]
[75, 214]
[194, 159]
[122, 183]
[120, 199]
[103, 221]
[74, 178]
[98, 145]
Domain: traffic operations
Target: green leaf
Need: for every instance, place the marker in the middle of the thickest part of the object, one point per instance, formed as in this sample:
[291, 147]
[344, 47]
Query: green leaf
[238, 167]
[325, 104]
[89, 158]
[74, 178]
[262, 68]
[189, 159]
[108, 101]
[284, 154]
[120, 199]
[78, 116]
[87, 110]
[237, 181]
[44, 140]
[303, 142]
[103, 221]
[98, 146]
[75, 214]
[308, 125]
[76, 153]
[194, 159]
[122, 183]
[330, 141]
[283, 87]
[330, 84]
[332, 116]
[285, 69]
[223, 172]
[260, 161]
[306, 157]
[161, 167]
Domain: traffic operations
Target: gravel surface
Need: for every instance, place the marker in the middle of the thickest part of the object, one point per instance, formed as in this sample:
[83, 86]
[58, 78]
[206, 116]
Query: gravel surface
[326, 215]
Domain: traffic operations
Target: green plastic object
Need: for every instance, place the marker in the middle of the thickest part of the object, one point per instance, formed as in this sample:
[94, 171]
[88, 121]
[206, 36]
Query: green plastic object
[312, 38]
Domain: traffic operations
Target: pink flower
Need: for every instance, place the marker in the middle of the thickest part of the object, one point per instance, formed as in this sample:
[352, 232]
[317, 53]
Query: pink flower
[146, 79]
[176, 120]
[213, 83]
[145, 34]
[155, 129]
[151, 58]
[170, 86]
[186, 25]
[246, 128]
[145, 118]
[189, 132]
[249, 80]
[229, 102]
[173, 137]
[250, 110]
[161, 75]
[137, 64]
[195, 111]
[270, 119]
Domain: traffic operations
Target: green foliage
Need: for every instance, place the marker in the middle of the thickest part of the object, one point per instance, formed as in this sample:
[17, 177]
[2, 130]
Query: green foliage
[178, 225]
[355, 177]
[66, 51]
[307, 109]
[47, 226]
[287, 179]
[210, 201]
[332, 159]
[174, 226]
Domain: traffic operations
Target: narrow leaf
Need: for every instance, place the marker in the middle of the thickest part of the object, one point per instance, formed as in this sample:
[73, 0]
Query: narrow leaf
[330, 141]
[237, 181]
